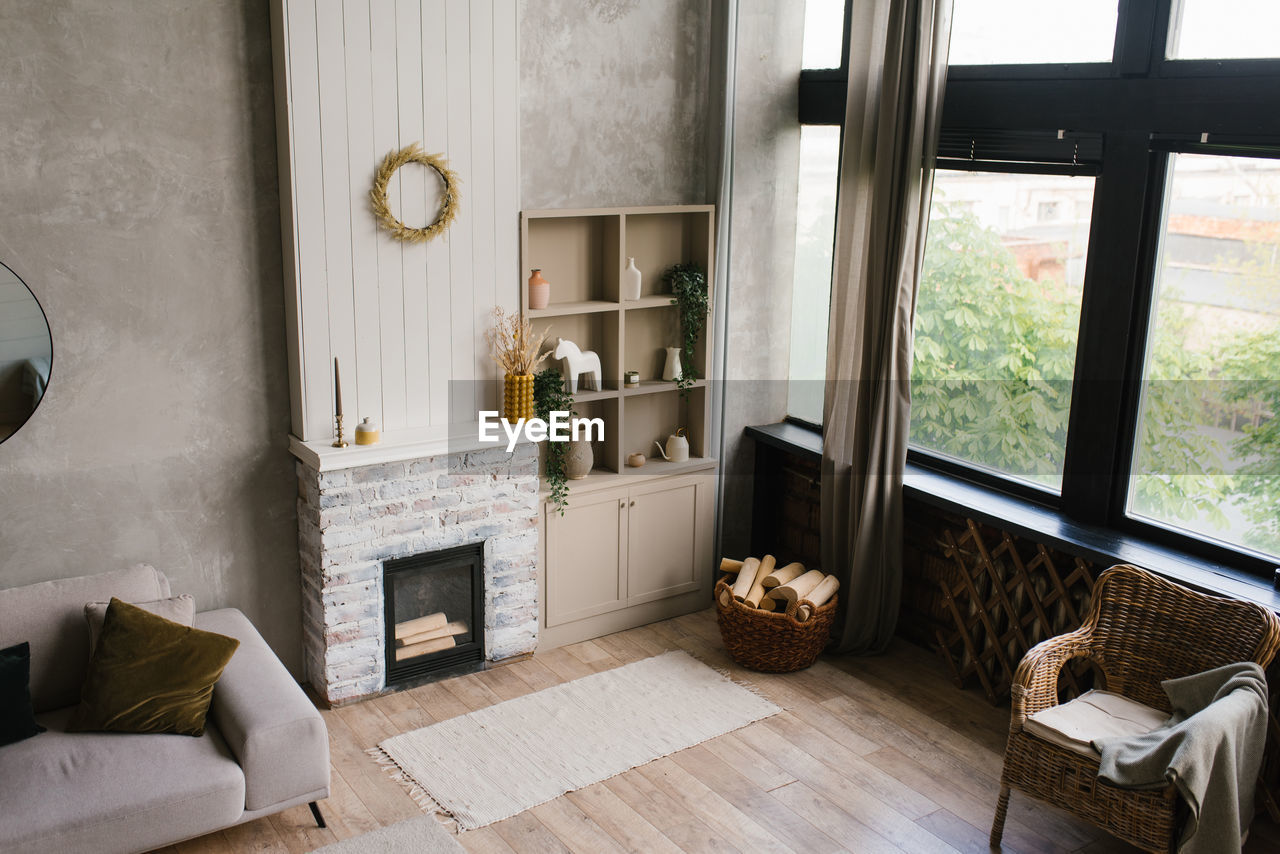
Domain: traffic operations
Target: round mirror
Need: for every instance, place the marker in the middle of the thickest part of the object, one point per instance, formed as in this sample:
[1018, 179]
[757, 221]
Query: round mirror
[26, 353]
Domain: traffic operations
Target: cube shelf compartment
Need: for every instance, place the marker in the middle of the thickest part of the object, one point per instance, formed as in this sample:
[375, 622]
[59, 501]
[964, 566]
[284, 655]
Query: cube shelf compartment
[582, 254]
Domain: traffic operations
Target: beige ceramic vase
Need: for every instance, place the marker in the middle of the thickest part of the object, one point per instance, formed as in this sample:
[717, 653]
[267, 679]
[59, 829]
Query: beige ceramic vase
[539, 290]
[580, 459]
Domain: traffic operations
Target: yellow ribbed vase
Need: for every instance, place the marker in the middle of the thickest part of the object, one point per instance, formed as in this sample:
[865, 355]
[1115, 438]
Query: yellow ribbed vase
[517, 397]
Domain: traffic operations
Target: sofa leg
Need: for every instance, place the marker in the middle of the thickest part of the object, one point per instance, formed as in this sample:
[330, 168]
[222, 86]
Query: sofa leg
[997, 824]
[315, 811]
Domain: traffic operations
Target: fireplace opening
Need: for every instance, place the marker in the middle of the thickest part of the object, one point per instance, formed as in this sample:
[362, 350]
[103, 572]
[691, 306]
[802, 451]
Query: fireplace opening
[434, 613]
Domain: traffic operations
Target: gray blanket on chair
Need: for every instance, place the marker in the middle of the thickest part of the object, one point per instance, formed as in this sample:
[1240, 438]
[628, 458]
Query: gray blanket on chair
[1210, 748]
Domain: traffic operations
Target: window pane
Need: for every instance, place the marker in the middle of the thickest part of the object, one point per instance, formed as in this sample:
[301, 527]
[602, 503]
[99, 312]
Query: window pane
[998, 32]
[997, 316]
[811, 286]
[1224, 29]
[1207, 453]
[823, 33]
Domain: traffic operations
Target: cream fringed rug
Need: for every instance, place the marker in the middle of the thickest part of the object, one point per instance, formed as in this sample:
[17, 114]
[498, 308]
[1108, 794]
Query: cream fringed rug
[493, 763]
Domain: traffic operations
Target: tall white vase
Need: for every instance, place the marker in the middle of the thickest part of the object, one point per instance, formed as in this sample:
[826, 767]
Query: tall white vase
[631, 281]
[672, 370]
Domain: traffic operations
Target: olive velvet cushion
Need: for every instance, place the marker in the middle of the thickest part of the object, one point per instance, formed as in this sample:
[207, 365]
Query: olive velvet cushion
[149, 674]
[181, 609]
[17, 721]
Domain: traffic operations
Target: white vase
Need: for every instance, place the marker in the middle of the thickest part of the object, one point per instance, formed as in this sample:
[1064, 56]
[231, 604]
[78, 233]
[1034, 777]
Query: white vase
[631, 281]
[672, 370]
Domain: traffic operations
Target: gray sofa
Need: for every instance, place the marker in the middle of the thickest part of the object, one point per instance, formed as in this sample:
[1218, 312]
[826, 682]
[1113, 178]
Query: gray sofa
[265, 747]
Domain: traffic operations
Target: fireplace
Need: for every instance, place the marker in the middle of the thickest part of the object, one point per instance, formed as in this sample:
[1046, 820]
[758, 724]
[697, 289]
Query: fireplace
[357, 521]
[434, 613]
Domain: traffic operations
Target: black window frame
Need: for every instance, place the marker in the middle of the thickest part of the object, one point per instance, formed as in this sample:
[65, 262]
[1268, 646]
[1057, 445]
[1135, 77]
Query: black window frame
[1145, 107]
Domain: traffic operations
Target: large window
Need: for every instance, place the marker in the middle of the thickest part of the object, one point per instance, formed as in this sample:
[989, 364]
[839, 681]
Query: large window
[1207, 457]
[1098, 322]
[1003, 32]
[997, 315]
[811, 286]
[1224, 29]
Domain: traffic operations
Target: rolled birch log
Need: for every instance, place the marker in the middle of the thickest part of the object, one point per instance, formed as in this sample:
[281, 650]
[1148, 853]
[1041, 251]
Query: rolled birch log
[422, 624]
[455, 628]
[782, 575]
[798, 589]
[425, 647]
[756, 593]
[728, 564]
[768, 603]
[817, 597]
[746, 578]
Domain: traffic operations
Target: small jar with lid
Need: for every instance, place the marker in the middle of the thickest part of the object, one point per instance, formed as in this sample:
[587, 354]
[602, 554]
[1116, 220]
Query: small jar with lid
[368, 432]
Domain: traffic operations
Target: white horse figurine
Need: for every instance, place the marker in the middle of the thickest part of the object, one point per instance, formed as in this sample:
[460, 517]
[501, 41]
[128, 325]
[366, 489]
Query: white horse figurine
[578, 362]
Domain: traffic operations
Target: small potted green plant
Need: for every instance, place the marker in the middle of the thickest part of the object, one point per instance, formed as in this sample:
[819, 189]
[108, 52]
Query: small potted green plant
[688, 286]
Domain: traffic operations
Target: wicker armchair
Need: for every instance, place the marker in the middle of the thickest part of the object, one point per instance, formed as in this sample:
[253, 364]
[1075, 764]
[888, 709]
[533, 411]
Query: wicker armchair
[1140, 630]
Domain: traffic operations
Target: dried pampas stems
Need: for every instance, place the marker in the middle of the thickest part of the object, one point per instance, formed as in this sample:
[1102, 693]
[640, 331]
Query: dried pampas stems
[514, 345]
[382, 209]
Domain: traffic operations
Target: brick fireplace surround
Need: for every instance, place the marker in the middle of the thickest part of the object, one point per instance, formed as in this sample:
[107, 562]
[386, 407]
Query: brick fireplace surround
[350, 520]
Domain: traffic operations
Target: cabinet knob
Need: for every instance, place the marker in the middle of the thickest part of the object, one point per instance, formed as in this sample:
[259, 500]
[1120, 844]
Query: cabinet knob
[633, 502]
[622, 505]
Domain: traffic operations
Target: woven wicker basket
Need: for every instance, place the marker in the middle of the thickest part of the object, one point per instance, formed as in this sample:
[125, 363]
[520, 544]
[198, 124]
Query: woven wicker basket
[770, 641]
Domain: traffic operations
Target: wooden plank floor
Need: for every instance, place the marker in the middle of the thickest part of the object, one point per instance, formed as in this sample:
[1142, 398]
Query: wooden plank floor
[877, 754]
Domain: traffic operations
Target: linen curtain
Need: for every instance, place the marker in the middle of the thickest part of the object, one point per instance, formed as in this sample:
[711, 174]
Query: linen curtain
[897, 69]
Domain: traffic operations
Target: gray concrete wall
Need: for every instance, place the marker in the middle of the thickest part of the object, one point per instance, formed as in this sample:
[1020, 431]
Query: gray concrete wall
[139, 202]
[613, 102]
[616, 108]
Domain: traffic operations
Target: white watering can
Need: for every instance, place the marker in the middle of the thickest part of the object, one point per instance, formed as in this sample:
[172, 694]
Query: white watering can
[677, 450]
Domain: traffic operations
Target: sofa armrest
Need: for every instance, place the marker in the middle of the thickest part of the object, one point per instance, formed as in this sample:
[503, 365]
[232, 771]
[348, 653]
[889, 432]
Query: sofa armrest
[275, 732]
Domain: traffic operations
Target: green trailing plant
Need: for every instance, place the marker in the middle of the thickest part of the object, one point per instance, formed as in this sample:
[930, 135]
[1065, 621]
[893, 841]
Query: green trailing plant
[550, 395]
[688, 285]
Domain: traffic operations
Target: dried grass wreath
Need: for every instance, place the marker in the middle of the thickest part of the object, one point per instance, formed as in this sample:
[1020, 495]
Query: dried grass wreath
[448, 203]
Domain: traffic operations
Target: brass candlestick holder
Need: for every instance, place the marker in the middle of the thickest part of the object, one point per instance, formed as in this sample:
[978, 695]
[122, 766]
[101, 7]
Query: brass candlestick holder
[339, 442]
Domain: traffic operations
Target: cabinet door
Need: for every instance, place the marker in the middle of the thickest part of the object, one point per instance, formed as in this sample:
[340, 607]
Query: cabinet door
[586, 550]
[665, 537]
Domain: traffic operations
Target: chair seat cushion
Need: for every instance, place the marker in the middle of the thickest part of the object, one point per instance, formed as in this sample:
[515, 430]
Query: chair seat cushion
[1075, 725]
[114, 792]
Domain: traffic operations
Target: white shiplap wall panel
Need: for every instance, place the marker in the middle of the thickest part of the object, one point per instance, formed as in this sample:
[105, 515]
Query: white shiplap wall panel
[462, 399]
[364, 230]
[386, 136]
[361, 78]
[506, 160]
[482, 147]
[435, 111]
[334, 162]
[413, 207]
[308, 226]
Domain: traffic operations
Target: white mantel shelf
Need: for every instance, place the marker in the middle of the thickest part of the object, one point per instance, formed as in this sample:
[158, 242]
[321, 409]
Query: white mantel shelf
[394, 447]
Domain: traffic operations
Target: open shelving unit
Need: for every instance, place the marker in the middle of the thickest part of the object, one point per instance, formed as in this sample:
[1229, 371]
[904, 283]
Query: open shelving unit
[633, 545]
[582, 253]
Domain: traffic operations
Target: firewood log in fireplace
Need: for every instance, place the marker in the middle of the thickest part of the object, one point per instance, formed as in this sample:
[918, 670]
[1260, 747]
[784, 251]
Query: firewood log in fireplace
[458, 627]
[424, 648]
[422, 624]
